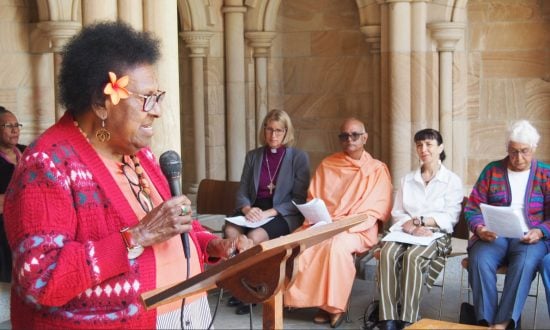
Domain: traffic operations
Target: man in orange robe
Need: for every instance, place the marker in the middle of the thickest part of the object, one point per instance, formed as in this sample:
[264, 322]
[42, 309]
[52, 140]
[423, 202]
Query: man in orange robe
[350, 183]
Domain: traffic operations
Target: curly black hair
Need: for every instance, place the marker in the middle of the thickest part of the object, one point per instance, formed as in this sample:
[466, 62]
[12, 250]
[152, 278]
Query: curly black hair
[97, 49]
[430, 134]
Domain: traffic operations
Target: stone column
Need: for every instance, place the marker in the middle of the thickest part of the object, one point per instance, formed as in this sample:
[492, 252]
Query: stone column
[198, 43]
[447, 34]
[94, 10]
[400, 88]
[59, 32]
[131, 12]
[161, 18]
[261, 42]
[385, 125]
[419, 71]
[235, 87]
[372, 37]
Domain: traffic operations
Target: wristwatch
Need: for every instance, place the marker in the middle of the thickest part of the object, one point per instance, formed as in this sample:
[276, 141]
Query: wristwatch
[419, 221]
[134, 249]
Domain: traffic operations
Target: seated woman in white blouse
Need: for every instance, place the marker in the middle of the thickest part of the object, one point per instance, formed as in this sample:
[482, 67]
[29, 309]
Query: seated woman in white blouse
[430, 199]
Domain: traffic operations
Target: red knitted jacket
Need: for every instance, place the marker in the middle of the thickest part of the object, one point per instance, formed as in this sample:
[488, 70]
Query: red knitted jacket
[63, 215]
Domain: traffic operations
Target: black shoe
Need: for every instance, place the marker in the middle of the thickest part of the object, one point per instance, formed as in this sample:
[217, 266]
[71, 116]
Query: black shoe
[243, 309]
[388, 325]
[232, 302]
[404, 324]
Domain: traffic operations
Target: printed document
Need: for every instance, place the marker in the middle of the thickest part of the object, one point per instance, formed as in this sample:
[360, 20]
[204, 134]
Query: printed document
[402, 237]
[315, 211]
[503, 220]
[241, 221]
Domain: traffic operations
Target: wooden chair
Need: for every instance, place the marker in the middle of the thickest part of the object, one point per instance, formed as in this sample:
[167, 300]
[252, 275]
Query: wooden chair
[459, 244]
[216, 197]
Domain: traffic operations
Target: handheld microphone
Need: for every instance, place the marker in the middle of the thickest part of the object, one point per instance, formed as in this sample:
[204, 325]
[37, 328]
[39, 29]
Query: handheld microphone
[170, 164]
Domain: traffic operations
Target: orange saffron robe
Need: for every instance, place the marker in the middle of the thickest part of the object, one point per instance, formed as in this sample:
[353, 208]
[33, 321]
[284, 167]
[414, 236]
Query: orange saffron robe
[348, 187]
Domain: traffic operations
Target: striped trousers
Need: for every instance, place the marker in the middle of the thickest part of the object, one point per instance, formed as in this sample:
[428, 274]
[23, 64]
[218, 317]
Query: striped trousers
[400, 275]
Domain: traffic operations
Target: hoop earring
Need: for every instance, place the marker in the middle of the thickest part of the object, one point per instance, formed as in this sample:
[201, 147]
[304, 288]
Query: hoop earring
[102, 134]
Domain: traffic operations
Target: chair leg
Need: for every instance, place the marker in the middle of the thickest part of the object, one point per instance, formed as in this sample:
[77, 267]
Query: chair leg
[442, 290]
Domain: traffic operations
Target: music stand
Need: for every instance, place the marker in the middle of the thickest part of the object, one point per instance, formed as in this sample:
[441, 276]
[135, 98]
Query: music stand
[257, 274]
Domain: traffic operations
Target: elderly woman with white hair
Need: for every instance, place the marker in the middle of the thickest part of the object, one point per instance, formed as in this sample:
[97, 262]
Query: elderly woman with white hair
[521, 182]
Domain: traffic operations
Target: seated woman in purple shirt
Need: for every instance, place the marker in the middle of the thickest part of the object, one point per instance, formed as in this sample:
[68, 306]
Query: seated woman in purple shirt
[274, 175]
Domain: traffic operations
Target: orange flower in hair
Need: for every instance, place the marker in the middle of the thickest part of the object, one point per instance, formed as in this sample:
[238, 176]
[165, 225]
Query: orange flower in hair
[117, 88]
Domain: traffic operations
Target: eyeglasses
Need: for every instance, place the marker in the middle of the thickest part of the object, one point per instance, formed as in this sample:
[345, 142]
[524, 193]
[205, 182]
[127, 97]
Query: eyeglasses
[525, 152]
[12, 126]
[277, 131]
[345, 136]
[142, 197]
[150, 100]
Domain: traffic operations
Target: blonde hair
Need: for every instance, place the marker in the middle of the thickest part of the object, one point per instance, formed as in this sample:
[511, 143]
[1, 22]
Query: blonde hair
[279, 116]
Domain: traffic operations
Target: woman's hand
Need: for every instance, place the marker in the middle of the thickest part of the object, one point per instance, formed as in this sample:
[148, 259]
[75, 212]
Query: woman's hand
[170, 218]
[422, 231]
[533, 236]
[254, 214]
[485, 234]
[226, 248]
[410, 228]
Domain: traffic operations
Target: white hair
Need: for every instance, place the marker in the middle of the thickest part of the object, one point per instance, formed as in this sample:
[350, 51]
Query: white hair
[523, 132]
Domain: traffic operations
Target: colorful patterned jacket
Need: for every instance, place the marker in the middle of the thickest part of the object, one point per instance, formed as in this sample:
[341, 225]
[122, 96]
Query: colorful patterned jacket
[493, 187]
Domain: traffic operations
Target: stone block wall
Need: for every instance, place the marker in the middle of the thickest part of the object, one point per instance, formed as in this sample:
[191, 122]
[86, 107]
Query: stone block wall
[508, 76]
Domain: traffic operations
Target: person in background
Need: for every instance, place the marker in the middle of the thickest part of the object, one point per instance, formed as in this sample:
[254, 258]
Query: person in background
[350, 182]
[521, 182]
[10, 154]
[274, 176]
[429, 199]
[89, 214]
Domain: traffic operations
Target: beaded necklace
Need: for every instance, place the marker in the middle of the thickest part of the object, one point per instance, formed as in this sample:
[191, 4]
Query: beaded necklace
[143, 193]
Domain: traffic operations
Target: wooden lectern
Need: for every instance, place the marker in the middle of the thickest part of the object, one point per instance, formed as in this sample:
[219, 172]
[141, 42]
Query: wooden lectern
[257, 275]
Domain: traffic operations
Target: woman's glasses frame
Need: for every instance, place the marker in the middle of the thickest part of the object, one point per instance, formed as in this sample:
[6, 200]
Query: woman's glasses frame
[276, 131]
[150, 100]
[525, 152]
[12, 126]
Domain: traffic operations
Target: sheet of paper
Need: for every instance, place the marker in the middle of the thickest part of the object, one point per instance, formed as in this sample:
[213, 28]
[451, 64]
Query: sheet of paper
[241, 221]
[502, 220]
[402, 237]
[315, 211]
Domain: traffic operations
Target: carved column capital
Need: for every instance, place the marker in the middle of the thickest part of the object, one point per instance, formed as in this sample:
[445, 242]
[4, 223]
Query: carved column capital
[373, 35]
[197, 41]
[447, 34]
[261, 42]
[59, 32]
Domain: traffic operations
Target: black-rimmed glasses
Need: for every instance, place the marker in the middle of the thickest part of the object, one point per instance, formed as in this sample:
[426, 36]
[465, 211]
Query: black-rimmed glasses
[345, 136]
[12, 126]
[150, 100]
[141, 195]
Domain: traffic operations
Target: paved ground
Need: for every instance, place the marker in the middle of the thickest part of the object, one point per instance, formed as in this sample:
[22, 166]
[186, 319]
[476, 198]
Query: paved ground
[362, 294]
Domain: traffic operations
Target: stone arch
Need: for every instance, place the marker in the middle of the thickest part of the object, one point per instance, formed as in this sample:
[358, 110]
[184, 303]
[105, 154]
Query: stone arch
[58, 10]
[261, 15]
[197, 15]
